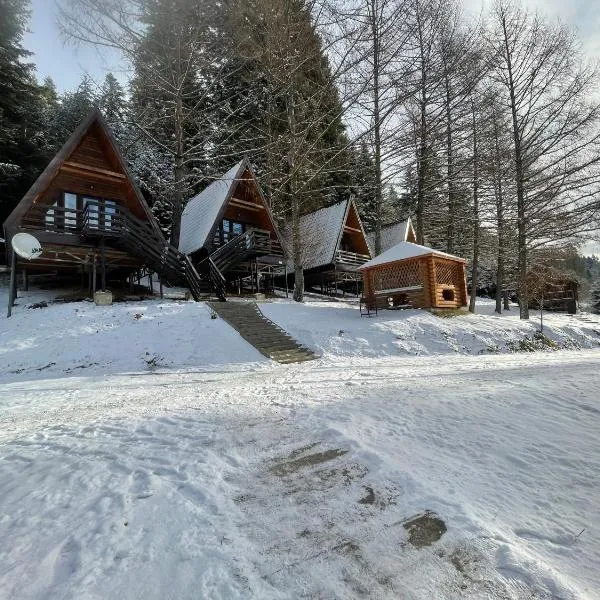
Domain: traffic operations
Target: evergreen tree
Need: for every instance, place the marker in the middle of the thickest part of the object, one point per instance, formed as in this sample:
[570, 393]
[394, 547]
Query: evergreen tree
[23, 146]
[112, 103]
[72, 109]
[364, 185]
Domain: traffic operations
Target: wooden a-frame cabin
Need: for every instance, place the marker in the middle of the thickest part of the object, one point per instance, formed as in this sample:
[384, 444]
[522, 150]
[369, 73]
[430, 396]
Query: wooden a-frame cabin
[230, 234]
[334, 247]
[90, 218]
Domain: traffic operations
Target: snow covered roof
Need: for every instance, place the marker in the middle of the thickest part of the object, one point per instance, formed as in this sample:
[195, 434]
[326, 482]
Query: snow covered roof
[202, 211]
[320, 232]
[404, 251]
[392, 234]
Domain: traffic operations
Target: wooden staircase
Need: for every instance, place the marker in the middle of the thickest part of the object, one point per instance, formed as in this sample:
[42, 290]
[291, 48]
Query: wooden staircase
[139, 239]
[252, 242]
[267, 337]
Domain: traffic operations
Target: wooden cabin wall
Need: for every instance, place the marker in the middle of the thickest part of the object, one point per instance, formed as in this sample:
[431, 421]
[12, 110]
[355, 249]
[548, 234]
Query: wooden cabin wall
[448, 275]
[93, 151]
[257, 217]
[433, 275]
[353, 236]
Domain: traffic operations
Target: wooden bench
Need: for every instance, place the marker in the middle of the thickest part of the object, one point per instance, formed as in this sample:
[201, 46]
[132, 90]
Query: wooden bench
[380, 300]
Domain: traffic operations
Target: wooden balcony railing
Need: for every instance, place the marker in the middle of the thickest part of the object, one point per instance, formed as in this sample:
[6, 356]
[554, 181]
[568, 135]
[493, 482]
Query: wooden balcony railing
[351, 258]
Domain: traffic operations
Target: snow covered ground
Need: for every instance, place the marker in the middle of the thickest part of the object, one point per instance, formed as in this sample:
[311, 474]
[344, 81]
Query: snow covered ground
[212, 473]
[335, 330]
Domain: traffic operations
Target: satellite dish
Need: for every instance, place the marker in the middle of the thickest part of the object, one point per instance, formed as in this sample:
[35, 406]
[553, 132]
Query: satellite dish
[26, 246]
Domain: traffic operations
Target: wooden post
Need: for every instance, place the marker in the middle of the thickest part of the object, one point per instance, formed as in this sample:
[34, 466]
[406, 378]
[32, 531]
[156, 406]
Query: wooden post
[161, 288]
[12, 290]
[150, 282]
[94, 275]
[431, 282]
[103, 263]
[25, 280]
[335, 281]
[287, 293]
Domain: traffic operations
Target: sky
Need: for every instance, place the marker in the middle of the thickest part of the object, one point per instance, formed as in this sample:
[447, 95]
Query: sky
[64, 62]
[67, 64]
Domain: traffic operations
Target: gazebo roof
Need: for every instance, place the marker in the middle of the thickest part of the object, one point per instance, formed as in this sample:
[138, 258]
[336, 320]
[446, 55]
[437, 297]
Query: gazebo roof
[405, 251]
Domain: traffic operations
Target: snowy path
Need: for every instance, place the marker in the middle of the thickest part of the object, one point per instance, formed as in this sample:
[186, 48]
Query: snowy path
[294, 482]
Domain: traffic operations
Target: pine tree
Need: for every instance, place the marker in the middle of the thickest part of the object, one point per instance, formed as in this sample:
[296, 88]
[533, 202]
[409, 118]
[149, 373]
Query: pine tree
[364, 186]
[112, 104]
[23, 146]
[72, 109]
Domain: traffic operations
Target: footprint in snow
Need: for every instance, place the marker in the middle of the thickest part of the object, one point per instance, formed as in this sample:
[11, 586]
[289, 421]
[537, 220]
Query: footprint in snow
[67, 560]
[140, 487]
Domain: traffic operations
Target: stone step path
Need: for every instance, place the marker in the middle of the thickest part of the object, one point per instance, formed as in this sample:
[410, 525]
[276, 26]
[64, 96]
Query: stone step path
[267, 337]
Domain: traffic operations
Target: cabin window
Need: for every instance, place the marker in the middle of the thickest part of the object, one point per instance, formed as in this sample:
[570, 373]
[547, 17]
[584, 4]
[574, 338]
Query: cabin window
[228, 230]
[448, 294]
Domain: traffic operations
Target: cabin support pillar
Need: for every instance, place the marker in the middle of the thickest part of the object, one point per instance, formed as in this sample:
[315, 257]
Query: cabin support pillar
[102, 265]
[25, 280]
[430, 294]
[335, 281]
[161, 288]
[12, 290]
[150, 283]
[94, 275]
[287, 291]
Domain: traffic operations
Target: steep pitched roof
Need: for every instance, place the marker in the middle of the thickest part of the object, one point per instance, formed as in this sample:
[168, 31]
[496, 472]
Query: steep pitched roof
[202, 211]
[392, 234]
[404, 251]
[47, 176]
[320, 232]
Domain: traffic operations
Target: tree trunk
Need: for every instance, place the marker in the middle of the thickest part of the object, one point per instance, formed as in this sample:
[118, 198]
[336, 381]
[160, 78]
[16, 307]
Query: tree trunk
[475, 263]
[377, 130]
[522, 258]
[422, 152]
[499, 219]
[294, 201]
[178, 163]
[450, 172]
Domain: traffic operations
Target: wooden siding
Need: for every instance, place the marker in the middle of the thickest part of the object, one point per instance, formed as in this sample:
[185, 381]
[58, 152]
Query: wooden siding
[421, 282]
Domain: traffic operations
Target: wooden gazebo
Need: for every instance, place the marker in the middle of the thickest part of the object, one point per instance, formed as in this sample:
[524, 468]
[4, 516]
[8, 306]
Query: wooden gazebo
[409, 275]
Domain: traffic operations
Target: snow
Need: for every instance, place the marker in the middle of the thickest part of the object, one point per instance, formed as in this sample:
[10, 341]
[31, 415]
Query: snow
[202, 211]
[222, 475]
[335, 330]
[403, 251]
[81, 338]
